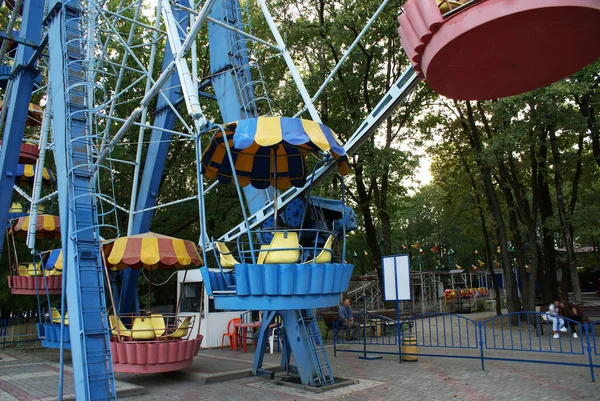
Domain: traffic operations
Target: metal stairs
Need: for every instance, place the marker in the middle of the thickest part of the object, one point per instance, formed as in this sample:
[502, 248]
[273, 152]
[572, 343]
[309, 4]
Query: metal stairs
[302, 338]
[313, 339]
[249, 80]
[74, 141]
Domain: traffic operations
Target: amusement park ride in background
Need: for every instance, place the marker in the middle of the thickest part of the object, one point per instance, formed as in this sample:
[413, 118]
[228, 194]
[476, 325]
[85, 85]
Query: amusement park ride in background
[280, 259]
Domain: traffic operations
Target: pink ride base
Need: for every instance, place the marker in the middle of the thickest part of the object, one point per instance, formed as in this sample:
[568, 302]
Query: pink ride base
[500, 48]
[154, 356]
[20, 285]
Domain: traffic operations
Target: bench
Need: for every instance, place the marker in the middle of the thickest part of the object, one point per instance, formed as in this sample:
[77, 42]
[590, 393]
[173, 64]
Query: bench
[329, 318]
[391, 314]
[588, 313]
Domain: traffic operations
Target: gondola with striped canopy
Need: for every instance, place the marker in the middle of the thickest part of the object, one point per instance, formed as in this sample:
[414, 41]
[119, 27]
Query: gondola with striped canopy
[254, 142]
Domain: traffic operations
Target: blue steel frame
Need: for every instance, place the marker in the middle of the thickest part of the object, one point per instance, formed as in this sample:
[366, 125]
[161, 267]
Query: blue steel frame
[153, 168]
[21, 81]
[83, 270]
[517, 334]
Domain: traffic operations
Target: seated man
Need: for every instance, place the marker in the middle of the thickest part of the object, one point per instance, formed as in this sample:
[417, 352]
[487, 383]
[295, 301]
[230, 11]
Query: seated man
[346, 320]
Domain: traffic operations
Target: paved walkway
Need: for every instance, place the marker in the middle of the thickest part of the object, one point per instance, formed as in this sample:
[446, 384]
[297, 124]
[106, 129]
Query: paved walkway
[387, 379]
[33, 375]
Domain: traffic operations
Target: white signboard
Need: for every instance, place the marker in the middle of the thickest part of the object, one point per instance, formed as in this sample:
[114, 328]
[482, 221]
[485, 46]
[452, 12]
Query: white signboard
[396, 278]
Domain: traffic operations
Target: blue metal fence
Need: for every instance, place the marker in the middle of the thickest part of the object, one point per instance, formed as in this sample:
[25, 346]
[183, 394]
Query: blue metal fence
[19, 330]
[513, 337]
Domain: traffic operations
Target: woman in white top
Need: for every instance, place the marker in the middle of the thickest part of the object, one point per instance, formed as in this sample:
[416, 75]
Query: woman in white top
[558, 322]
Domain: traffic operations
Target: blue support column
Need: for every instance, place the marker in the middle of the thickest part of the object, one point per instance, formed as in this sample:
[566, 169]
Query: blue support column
[23, 77]
[153, 168]
[88, 324]
[225, 46]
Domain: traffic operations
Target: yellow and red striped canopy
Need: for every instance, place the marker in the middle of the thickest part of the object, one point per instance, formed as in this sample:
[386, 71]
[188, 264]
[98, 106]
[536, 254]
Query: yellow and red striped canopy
[47, 226]
[34, 115]
[151, 251]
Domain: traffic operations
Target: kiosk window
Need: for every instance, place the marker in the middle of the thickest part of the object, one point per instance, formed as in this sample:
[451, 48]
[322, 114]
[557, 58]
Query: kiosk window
[191, 296]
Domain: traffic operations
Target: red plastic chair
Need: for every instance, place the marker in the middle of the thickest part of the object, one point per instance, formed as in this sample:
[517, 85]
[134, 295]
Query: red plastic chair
[231, 333]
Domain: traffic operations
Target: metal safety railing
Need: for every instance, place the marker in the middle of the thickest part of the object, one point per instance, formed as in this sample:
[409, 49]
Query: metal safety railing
[513, 337]
[19, 332]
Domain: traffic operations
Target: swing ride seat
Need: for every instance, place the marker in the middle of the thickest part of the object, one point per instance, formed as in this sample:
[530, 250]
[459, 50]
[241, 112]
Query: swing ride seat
[143, 329]
[325, 254]
[117, 327]
[158, 323]
[284, 248]
[182, 329]
[226, 259]
[56, 316]
[157, 344]
[486, 49]
[446, 6]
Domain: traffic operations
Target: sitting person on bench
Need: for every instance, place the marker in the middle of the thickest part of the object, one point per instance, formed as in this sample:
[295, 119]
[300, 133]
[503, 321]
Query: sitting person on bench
[570, 312]
[553, 315]
[347, 321]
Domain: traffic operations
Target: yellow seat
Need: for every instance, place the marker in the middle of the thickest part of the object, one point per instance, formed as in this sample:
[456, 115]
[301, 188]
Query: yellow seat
[449, 5]
[34, 269]
[142, 329]
[158, 322]
[262, 254]
[117, 327]
[52, 272]
[225, 257]
[284, 248]
[326, 253]
[56, 317]
[23, 271]
[182, 329]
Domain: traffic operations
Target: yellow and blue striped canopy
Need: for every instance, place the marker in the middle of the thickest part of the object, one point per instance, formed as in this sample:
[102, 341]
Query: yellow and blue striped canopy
[25, 174]
[254, 143]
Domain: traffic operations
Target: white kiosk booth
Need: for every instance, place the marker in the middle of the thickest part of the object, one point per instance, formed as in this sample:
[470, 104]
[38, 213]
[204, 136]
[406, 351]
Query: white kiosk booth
[211, 322]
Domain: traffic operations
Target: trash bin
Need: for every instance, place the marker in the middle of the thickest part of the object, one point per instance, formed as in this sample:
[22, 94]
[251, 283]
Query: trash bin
[409, 346]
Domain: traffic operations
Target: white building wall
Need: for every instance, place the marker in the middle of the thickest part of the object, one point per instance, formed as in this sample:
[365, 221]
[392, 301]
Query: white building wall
[213, 325]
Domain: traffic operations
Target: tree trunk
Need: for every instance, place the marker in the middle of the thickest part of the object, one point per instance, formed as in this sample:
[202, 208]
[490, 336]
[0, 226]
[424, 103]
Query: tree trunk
[370, 230]
[587, 111]
[484, 229]
[513, 302]
[565, 220]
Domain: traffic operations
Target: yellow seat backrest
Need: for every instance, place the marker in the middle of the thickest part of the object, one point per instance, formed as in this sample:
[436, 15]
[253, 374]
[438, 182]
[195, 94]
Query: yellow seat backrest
[289, 245]
[158, 322]
[56, 318]
[225, 257]
[55, 315]
[34, 269]
[326, 253]
[122, 330]
[443, 6]
[52, 272]
[182, 329]
[23, 271]
[142, 329]
[263, 254]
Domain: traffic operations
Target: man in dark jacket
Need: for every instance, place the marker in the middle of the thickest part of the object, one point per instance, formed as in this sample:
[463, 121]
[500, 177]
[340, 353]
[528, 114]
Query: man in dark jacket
[347, 321]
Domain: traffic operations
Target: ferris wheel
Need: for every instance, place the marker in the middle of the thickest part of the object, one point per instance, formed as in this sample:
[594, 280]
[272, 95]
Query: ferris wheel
[120, 82]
